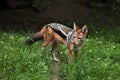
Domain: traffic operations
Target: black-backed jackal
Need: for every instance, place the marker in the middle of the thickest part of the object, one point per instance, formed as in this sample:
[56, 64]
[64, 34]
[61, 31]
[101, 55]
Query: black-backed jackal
[55, 32]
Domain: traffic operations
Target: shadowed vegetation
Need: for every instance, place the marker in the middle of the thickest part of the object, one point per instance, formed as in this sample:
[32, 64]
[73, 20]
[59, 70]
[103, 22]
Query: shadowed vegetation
[99, 58]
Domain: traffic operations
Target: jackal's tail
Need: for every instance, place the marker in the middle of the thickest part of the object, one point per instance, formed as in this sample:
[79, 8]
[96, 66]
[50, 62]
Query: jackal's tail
[35, 37]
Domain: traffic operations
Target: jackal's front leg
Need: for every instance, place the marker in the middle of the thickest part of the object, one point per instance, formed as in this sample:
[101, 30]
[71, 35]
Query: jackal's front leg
[54, 52]
[75, 53]
[76, 49]
[69, 53]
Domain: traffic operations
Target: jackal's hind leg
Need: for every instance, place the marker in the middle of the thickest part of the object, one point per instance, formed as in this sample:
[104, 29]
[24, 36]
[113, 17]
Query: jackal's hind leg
[54, 52]
[45, 43]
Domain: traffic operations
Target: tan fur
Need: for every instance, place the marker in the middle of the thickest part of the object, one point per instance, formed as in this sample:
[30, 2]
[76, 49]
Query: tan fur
[50, 36]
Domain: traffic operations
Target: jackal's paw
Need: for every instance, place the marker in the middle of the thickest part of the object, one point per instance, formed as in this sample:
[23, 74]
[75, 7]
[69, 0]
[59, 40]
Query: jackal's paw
[55, 59]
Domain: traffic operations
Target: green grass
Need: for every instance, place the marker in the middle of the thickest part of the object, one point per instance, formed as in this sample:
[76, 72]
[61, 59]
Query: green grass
[97, 61]
[20, 62]
[99, 58]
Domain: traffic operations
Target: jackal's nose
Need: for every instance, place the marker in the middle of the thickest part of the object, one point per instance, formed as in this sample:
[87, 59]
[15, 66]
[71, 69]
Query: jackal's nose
[74, 43]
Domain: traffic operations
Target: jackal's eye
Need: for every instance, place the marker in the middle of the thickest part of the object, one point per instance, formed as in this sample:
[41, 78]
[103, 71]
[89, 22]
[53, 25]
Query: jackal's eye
[73, 36]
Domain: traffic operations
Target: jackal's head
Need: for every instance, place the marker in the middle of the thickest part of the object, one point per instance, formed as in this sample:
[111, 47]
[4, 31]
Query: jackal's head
[79, 34]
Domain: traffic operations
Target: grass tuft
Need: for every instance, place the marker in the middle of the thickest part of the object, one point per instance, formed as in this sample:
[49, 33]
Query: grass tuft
[19, 62]
[98, 59]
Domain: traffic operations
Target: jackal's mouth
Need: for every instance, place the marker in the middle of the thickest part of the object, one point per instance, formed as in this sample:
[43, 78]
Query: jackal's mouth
[77, 43]
[74, 43]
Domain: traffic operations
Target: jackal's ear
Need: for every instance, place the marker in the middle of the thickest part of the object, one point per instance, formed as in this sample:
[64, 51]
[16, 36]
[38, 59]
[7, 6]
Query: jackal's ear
[84, 29]
[76, 28]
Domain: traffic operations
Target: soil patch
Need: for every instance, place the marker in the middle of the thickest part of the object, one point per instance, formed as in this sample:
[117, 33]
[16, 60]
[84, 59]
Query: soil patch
[55, 75]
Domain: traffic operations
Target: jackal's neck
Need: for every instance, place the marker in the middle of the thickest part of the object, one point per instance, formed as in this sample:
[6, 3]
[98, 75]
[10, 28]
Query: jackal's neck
[70, 36]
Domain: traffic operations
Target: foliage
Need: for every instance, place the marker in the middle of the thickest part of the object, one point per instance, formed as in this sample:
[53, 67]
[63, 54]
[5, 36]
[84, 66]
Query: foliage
[98, 59]
[40, 5]
[19, 62]
[113, 6]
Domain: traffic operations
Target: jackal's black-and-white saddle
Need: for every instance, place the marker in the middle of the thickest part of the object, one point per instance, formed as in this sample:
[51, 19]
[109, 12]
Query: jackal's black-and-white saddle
[65, 32]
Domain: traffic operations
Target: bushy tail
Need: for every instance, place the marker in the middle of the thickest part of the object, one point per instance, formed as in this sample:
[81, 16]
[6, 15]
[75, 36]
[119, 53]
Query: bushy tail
[35, 37]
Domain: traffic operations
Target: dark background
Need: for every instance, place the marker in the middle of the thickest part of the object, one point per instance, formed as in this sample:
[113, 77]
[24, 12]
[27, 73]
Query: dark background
[33, 14]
